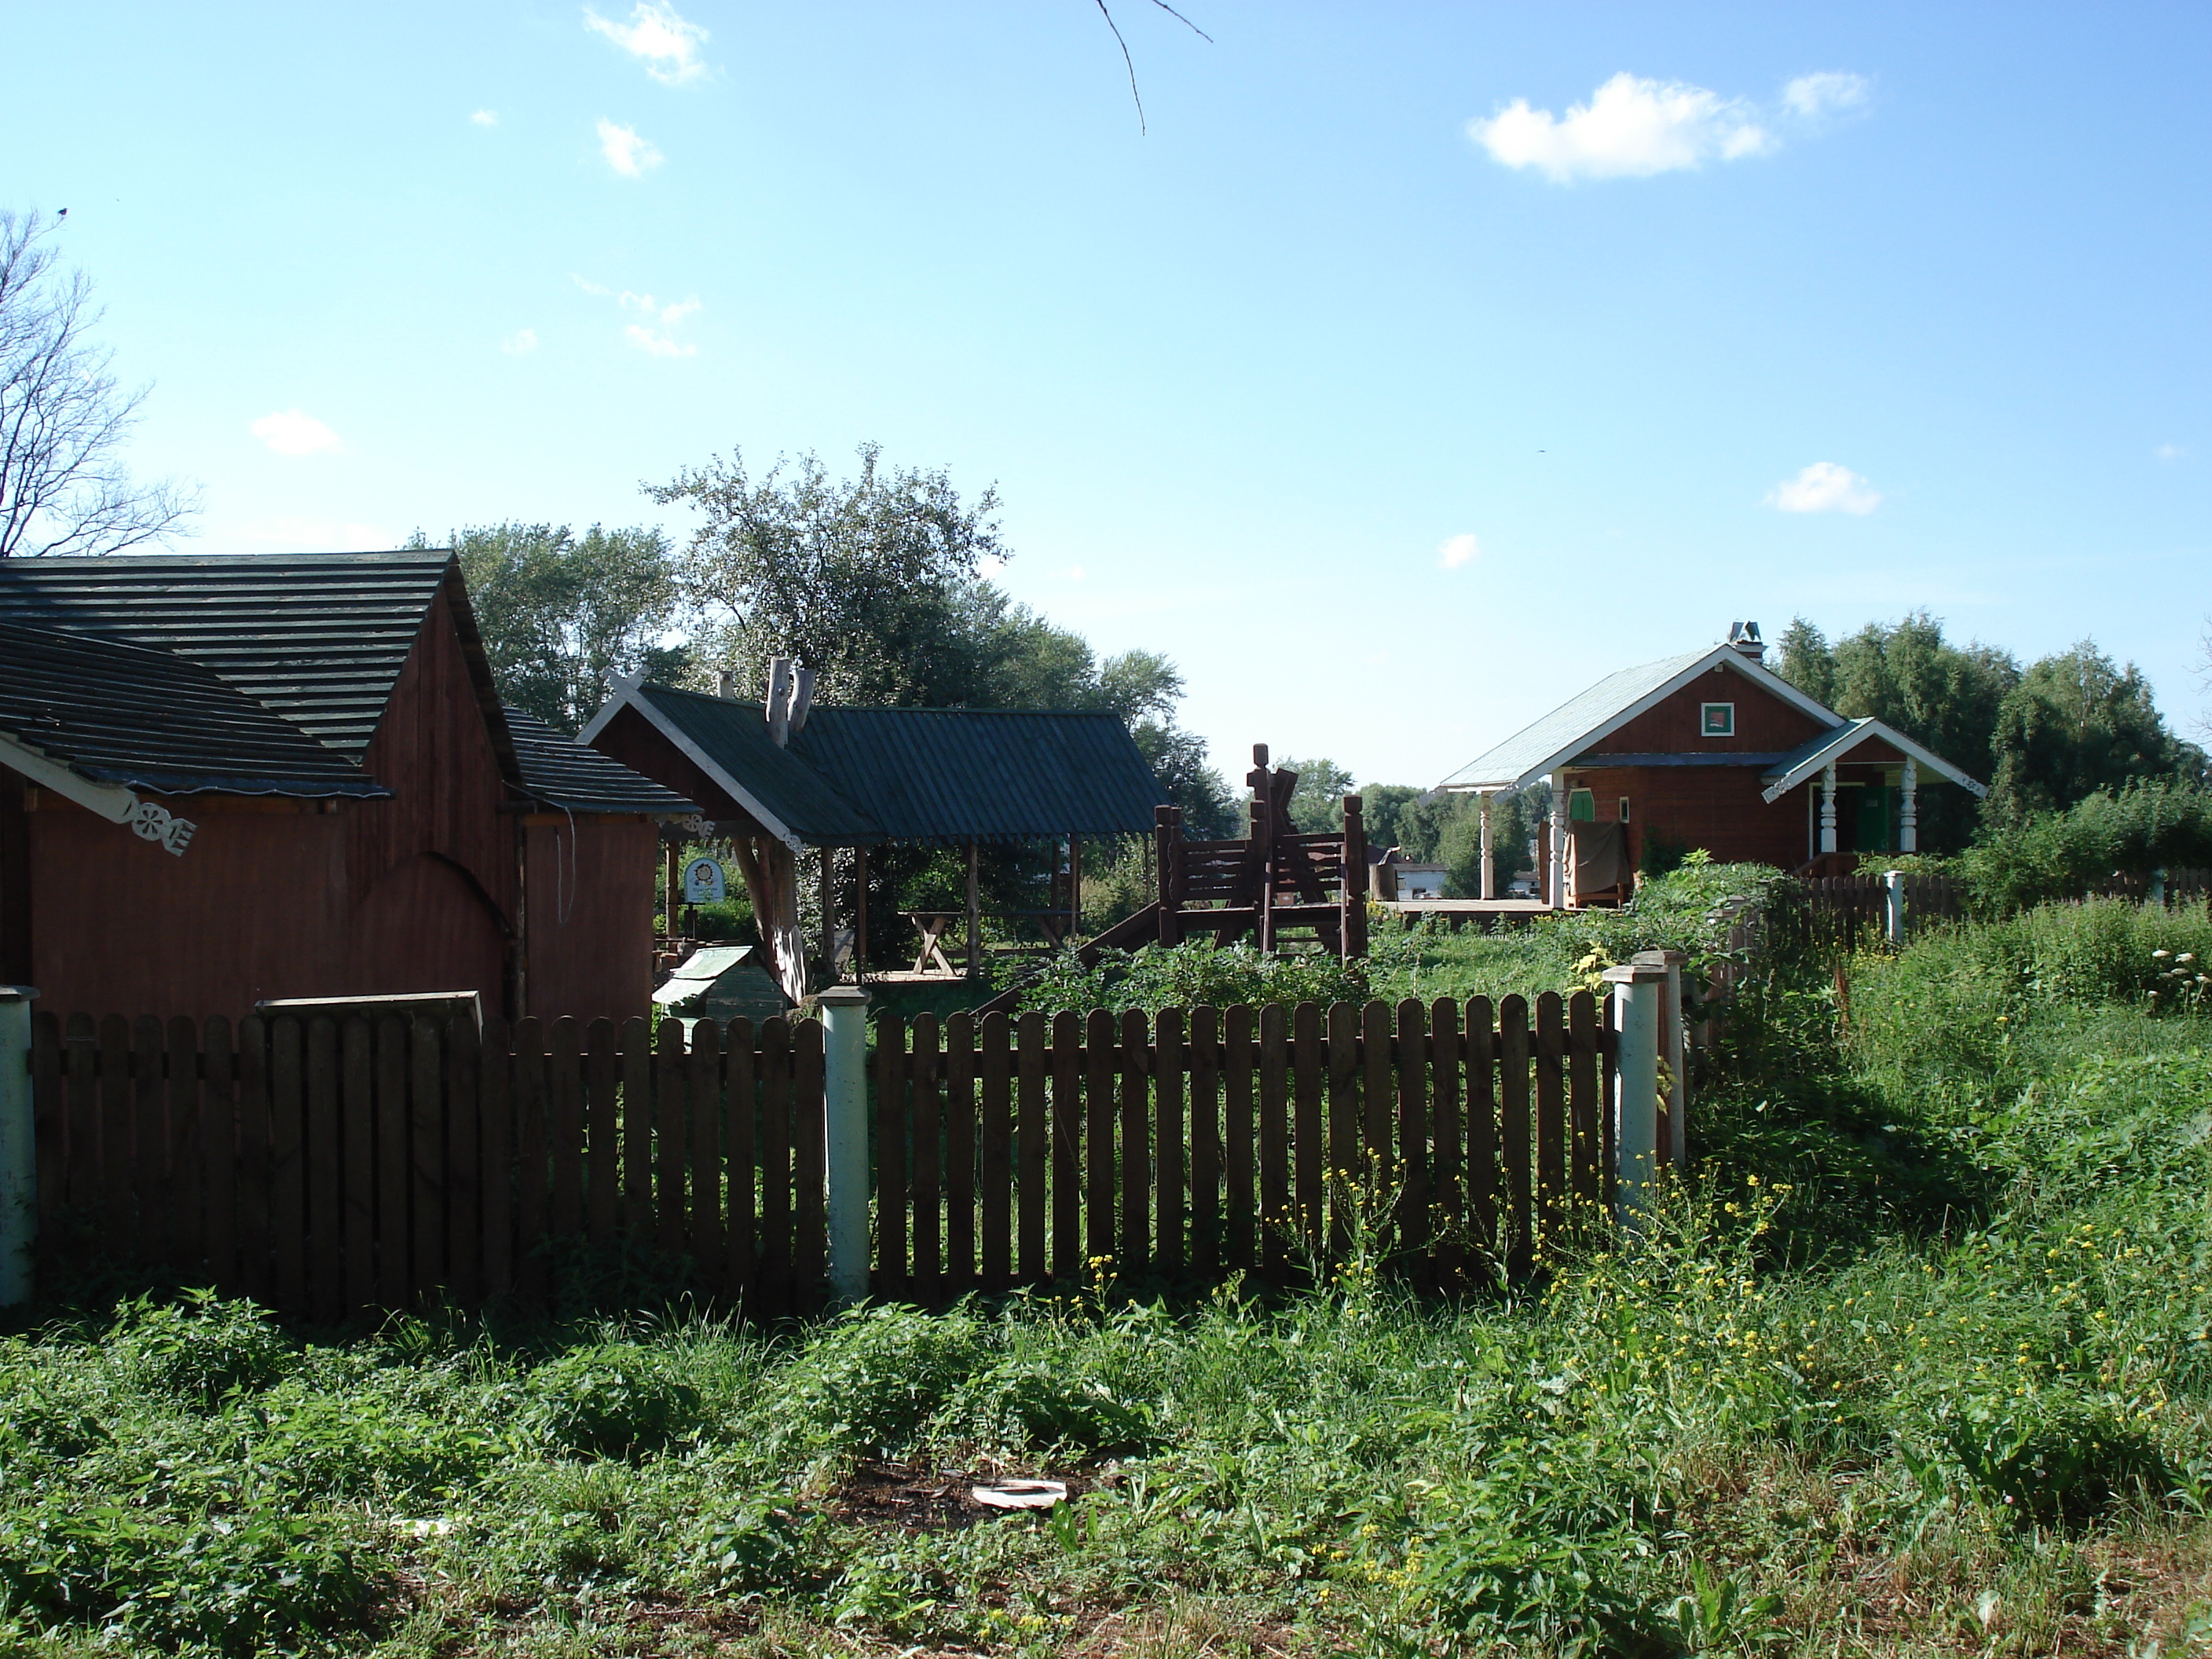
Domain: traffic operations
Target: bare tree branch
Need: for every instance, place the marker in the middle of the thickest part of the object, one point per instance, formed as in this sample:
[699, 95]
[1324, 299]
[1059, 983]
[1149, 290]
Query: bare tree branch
[63, 486]
[1131, 62]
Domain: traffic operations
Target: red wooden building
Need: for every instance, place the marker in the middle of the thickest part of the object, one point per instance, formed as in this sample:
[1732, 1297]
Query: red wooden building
[228, 779]
[1713, 750]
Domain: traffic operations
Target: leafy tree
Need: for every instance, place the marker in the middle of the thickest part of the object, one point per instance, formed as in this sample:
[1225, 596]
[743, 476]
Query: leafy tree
[872, 581]
[1317, 798]
[562, 613]
[2078, 723]
[1907, 675]
[63, 419]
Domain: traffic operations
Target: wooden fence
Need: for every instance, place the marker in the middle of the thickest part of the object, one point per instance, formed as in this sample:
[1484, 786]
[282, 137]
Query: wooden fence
[1847, 910]
[334, 1168]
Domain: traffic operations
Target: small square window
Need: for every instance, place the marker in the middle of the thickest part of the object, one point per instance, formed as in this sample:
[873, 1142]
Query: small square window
[1716, 719]
[1624, 808]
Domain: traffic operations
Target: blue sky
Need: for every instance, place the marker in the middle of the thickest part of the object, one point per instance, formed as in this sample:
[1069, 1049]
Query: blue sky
[1680, 314]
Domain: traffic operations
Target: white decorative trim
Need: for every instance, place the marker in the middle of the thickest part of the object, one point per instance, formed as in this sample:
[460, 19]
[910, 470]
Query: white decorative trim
[1844, 743]
[736, 791]
[620, 690]
[110, 800]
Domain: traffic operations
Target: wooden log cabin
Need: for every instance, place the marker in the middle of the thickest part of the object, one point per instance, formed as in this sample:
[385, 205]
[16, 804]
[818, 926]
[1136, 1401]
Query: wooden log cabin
[228, 779]
[1710, 749]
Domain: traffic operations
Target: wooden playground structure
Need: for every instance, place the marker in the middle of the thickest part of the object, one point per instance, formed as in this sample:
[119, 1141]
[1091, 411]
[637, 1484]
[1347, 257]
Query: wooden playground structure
[1272, 885]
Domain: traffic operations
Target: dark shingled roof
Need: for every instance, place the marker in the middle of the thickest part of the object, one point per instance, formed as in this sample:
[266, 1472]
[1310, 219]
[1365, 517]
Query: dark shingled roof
[861, 776]
[149, 719]
[562, 771]
[318, 638]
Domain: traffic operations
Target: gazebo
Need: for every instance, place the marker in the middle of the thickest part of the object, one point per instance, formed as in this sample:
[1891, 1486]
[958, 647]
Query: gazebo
[778, 776]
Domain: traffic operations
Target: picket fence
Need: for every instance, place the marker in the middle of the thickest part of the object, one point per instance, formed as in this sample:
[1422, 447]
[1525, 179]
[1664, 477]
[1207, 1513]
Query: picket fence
[336, 1168]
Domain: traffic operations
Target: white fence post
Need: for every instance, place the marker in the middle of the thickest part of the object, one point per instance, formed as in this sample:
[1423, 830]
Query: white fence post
[1638, 991]
[845, 1131]
[1673, 1053]
[1892, 915]
[18, 1169]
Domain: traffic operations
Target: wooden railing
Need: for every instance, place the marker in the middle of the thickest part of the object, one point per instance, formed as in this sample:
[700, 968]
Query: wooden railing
[334, 1168]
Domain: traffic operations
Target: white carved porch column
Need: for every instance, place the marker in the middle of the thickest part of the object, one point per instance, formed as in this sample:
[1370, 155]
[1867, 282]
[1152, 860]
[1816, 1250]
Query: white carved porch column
[1828, 807]
[1555, 888]
[1489, 875]
[1908, 809]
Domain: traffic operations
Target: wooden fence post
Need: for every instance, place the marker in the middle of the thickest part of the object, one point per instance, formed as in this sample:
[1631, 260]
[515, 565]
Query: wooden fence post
[18, 1151]
[845, 1118]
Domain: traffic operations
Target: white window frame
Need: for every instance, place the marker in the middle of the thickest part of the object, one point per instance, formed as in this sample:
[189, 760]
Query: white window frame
[1704, 714]
[1624, 808]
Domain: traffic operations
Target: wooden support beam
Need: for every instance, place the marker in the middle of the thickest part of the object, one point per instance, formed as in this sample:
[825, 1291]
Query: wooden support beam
[975, 918]
[860, 912]
[1074, 889]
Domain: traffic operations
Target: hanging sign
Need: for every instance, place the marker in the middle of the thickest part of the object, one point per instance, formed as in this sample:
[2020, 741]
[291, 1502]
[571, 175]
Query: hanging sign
[702, 882]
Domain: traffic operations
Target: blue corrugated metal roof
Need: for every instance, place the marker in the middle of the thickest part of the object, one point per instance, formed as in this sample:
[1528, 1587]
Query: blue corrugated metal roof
[862, 776]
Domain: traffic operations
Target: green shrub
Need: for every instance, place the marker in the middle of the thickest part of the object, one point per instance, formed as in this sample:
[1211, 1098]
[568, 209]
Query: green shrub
[2146, 827]
[254, 1581]
[610, 1400]
[1197, 974]
[1039, 1402]
[870, 1381]
[200, 1349]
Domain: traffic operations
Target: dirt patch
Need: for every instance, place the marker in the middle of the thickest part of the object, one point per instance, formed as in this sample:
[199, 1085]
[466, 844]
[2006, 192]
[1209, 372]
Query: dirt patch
[917, 1498]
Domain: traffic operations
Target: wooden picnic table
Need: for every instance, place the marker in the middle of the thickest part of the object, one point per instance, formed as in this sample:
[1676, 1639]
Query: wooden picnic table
[933, 925]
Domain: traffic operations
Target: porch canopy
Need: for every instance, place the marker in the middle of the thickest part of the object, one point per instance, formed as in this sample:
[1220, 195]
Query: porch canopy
[808, 775]
[1813, 759]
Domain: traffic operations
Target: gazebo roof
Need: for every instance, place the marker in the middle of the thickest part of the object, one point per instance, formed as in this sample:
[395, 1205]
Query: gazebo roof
[858, 777]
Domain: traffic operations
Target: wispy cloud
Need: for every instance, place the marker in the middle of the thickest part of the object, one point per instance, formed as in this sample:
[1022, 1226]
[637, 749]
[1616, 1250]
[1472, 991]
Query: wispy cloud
[1824, 487]
[1630, 129]
[668, 44]
[485, 118]
[296, 432]
[1074, 573]
[2169, 453]
[520, 344]
[654, 332]
[1827, 92]
[1458, 550]
[626, 152]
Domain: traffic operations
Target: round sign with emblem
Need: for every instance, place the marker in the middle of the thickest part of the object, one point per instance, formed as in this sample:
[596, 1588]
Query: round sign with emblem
[702, 882]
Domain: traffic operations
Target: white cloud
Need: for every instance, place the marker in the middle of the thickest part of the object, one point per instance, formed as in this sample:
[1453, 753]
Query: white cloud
[485, 118]
[654, 333]
[626, 152]
[1824, 487]
[1630, 129]
[669, 43]
[2169, 453]
[1458, 550]
[1826, 92]
[296, 432]
[520, 344]
[1074, 573]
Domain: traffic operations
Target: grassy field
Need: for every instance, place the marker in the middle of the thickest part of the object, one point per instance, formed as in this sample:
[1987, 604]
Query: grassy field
[1919, 1363]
